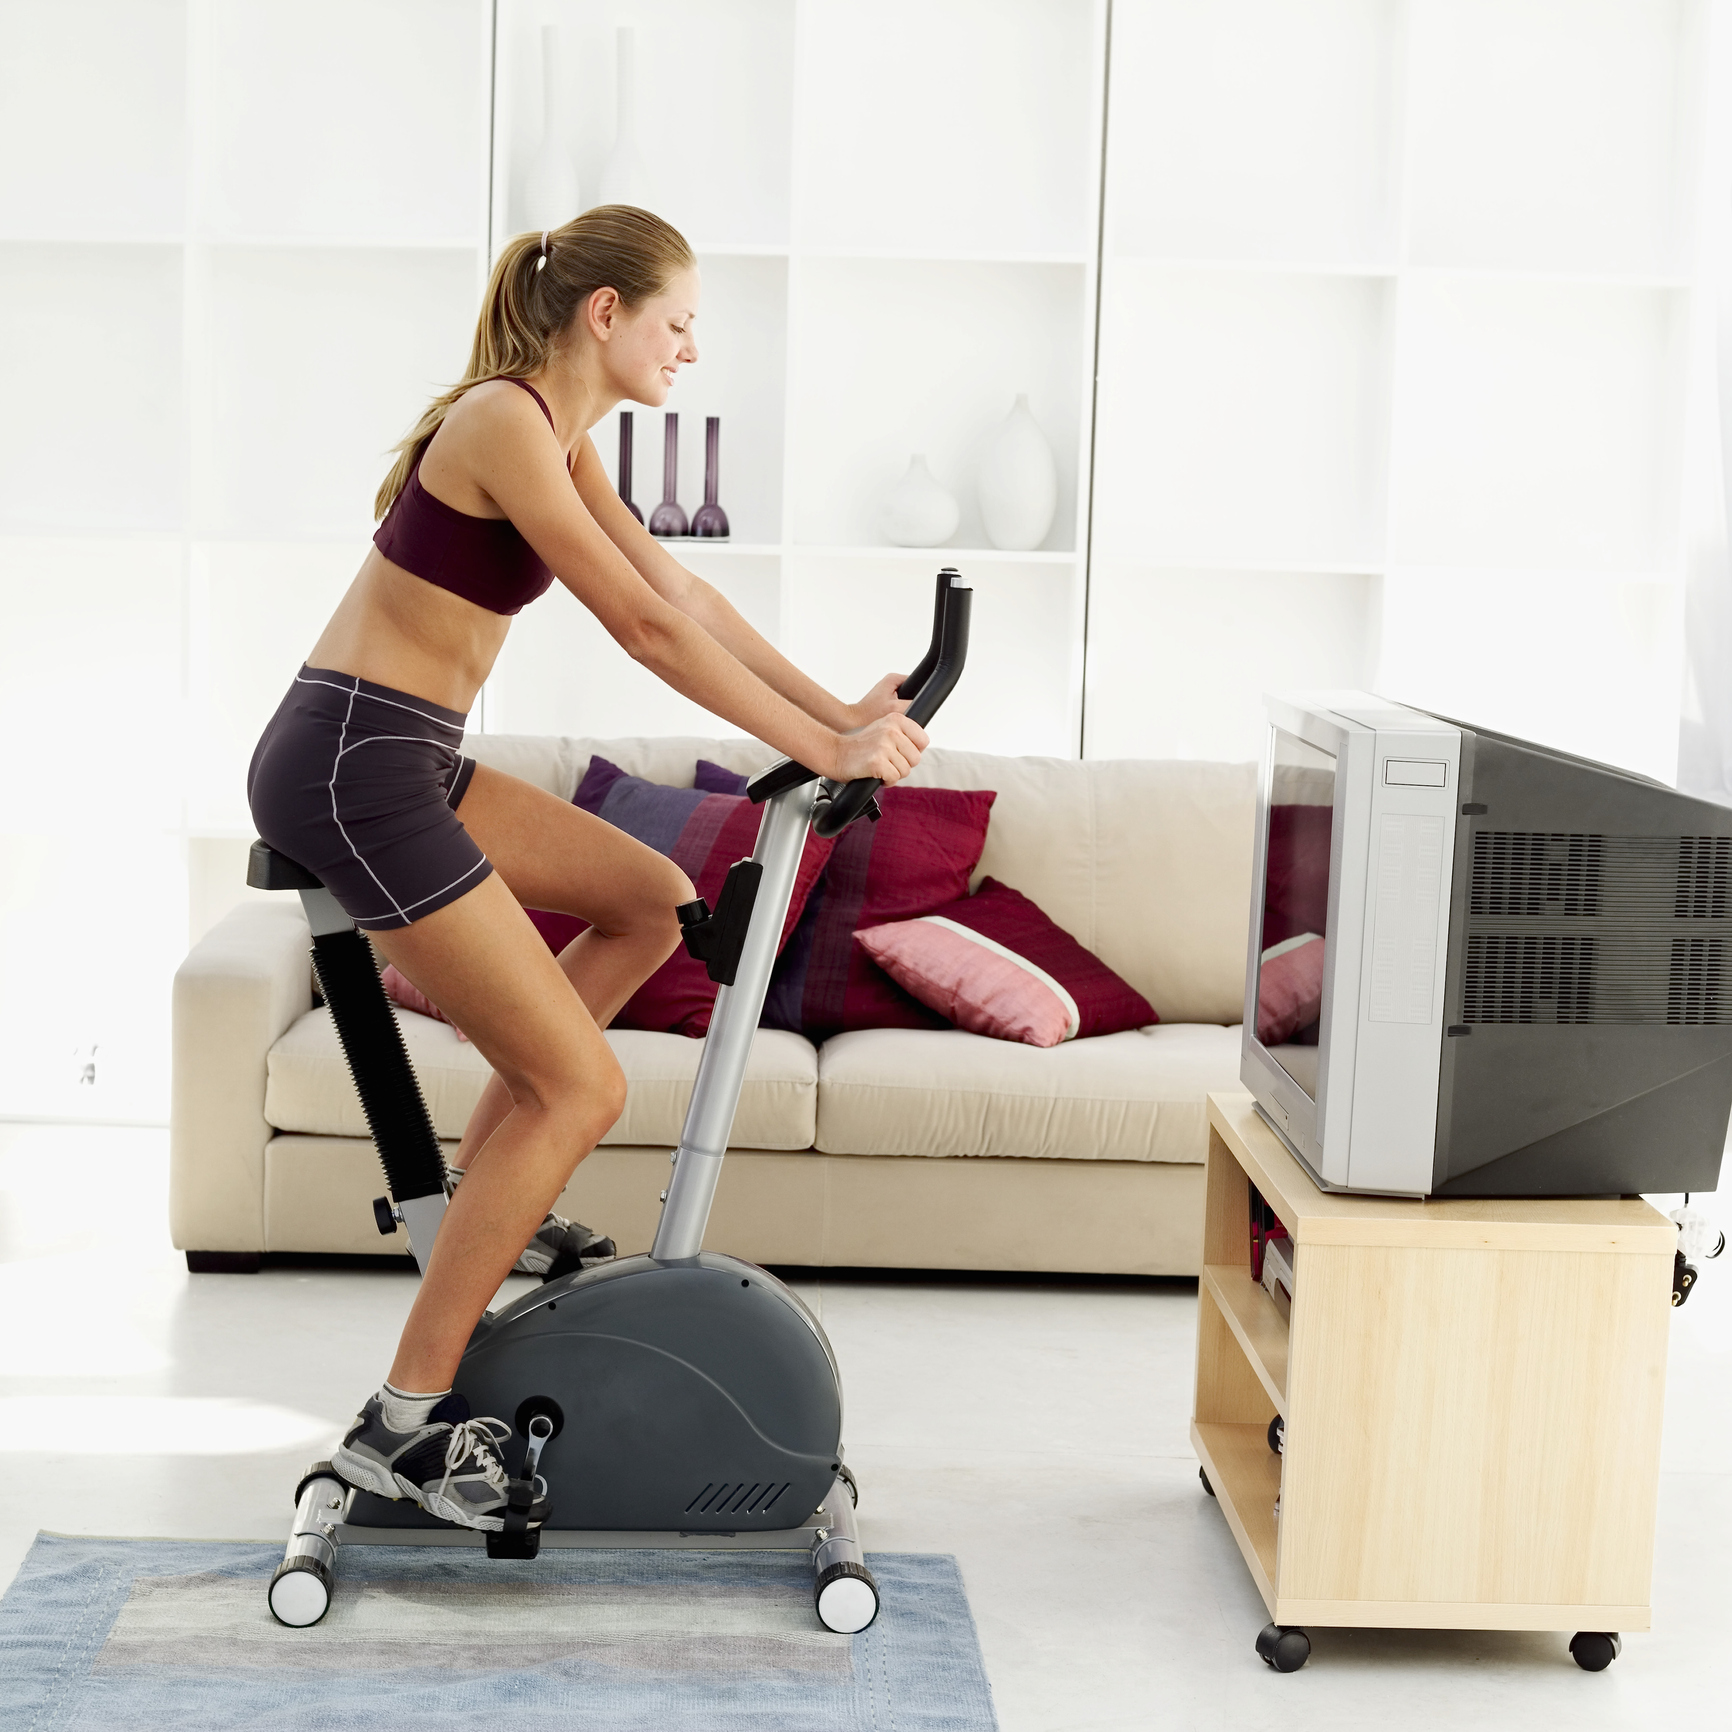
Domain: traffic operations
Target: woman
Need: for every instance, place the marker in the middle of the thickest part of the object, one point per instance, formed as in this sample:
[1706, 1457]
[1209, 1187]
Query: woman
[359, 778]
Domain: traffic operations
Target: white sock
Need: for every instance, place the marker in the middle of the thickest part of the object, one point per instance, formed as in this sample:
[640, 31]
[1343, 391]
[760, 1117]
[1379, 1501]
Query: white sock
[405, 1410]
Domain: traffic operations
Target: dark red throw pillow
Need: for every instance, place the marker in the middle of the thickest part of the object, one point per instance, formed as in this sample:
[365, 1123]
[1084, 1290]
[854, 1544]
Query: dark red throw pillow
[703, 833]
[915, 859]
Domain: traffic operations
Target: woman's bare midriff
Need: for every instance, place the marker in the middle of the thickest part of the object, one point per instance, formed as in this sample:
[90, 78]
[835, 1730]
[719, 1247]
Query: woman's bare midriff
[398, 630]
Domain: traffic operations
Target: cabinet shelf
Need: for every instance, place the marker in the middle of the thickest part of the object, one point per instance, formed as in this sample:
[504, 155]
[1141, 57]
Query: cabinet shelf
[1257, 1326]
[1246, 1479]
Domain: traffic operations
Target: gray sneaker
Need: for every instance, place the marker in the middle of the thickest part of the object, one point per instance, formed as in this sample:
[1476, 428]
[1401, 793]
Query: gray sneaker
[449, 1466]
[560, 1247]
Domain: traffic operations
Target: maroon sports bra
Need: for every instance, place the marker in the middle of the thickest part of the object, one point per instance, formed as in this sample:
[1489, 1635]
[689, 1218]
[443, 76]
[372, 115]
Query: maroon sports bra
[483, 559]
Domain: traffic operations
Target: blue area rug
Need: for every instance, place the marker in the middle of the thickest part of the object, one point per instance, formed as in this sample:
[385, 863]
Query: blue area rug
[108, 1634]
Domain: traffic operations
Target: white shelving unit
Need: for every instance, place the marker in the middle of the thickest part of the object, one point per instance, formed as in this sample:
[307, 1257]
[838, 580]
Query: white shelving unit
[247, 246]
[890, 254]
[1397, 301]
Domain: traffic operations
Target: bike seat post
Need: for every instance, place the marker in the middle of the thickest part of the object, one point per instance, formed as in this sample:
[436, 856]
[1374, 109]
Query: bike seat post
[372, 1042]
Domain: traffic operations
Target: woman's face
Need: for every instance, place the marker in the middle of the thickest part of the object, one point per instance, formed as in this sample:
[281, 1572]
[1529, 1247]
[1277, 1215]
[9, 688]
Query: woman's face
[653, 340]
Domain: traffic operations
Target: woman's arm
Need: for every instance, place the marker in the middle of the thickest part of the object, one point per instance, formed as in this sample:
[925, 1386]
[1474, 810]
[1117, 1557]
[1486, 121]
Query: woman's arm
[711, 609]
[508, 448]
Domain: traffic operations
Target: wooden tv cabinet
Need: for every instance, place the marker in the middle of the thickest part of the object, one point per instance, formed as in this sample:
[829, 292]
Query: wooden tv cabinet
[1470, 1393]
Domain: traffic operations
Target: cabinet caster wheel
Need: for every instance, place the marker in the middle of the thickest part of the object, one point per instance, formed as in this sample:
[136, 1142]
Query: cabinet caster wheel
[1284, 1648]
[1277, 1434]
[1595, 1650]
[846, 1598]
[1203, 1475]
[300, 1592]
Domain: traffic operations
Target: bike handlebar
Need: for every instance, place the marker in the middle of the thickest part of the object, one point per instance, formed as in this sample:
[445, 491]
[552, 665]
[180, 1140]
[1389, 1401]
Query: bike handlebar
[929, 685]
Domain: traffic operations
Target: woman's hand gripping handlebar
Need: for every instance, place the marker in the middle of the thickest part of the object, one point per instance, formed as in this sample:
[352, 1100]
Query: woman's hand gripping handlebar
[925, 689]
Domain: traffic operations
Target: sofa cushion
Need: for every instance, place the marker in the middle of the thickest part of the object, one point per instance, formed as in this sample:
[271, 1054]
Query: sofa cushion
[307, 1088]
[1136, 1096]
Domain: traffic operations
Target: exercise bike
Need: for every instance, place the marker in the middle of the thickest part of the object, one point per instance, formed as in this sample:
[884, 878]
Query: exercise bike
[684, 1399]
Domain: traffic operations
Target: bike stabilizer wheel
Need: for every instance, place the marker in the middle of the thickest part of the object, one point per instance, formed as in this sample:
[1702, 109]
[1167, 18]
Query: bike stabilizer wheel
[846, 1597]
[1595, 1650]
[1283, 1647]
[300, 1592]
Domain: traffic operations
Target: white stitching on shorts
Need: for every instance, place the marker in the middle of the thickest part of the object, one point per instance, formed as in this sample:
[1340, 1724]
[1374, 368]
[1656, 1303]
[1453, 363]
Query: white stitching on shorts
[437, 721]
[335, 817]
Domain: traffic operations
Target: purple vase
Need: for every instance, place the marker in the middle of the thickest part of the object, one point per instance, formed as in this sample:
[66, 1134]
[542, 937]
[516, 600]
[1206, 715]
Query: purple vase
[710, 518]
[625, 463]
[667, 518]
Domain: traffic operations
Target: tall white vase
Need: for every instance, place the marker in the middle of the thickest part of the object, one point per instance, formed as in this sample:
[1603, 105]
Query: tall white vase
[1018, 483]
[624, 179]
[550, 190]
[918, 511]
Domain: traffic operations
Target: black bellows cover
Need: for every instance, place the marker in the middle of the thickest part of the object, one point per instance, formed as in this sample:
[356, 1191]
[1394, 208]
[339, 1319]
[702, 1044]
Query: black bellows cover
[378, 1061]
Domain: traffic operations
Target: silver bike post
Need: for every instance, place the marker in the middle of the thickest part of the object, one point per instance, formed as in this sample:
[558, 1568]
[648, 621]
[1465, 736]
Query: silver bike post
[728, 1045]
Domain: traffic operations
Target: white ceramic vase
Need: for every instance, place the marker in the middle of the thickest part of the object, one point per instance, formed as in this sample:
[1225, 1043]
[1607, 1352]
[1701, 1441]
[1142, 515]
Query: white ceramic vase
[624, 179]
[919, 512]
[1018, 483]
[550, 190]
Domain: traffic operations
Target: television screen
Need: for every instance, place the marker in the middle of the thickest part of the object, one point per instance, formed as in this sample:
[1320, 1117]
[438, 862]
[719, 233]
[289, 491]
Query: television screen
[1295, 933]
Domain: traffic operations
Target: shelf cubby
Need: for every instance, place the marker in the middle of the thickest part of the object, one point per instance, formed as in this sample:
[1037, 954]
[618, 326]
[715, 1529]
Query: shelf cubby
[1553, 136]
[1242, 416]
[1260, 1330]
[1255, 130]
[969, 339]
[1179, 658]
[291, 436]
[389, 128]
[1001, 162]
[1537, 425]
[714, 104]
[93, 120]
[90, 340]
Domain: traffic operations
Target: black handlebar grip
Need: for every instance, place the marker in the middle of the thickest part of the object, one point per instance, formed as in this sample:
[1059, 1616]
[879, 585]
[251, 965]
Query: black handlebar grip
[929, 685]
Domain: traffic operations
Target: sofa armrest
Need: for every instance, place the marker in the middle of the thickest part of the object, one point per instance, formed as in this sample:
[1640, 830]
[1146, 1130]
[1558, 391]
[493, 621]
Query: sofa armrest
[241, 986]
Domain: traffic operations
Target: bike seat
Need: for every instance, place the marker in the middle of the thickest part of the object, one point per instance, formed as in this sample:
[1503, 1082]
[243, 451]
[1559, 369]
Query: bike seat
[269, 870]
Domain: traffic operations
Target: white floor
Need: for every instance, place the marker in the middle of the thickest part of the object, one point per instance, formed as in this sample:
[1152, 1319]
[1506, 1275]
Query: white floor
[1036, 1430]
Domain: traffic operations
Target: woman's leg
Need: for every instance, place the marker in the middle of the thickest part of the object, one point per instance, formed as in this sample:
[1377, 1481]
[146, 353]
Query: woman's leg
[482, 962]
[553, 856]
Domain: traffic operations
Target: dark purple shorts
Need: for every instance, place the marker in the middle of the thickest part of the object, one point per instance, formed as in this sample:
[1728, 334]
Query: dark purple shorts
[360, 784]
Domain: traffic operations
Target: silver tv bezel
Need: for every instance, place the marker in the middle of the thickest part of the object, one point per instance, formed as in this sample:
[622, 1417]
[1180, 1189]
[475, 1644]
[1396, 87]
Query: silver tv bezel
[1377, 1133]
[1302, 1123]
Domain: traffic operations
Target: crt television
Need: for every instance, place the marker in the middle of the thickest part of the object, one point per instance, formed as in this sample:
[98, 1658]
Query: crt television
[1480, 967]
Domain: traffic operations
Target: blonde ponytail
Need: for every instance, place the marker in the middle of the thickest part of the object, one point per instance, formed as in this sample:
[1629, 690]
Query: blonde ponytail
[538, 285]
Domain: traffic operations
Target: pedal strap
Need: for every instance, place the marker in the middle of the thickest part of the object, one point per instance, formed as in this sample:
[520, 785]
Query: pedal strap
[516, 1539]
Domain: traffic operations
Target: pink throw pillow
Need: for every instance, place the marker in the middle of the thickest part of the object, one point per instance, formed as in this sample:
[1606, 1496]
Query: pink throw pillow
[994, 964]
[402, 990]
[1289, 988]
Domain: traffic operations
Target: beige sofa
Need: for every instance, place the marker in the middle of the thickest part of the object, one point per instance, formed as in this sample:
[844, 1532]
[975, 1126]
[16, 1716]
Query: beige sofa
[890, 1148]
